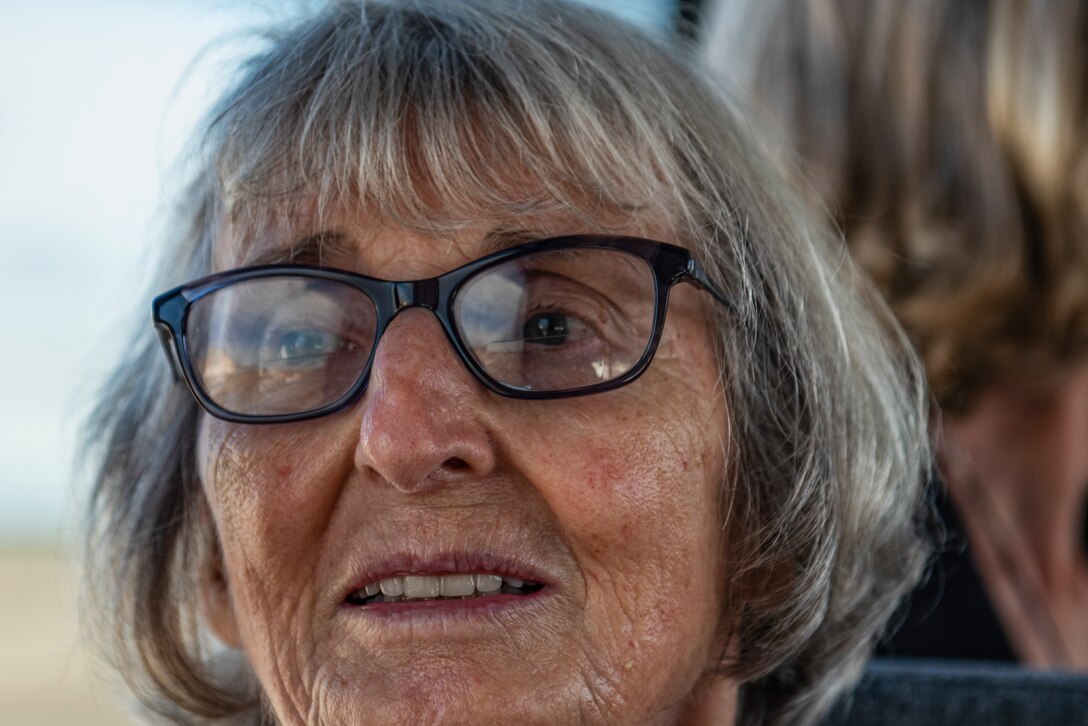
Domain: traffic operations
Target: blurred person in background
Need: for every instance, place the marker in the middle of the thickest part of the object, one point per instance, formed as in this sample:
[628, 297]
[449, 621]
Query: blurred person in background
[949, 140]
[424, 448]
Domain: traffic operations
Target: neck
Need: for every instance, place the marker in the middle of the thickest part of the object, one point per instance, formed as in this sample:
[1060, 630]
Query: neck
[715, 702]
[1017, 467]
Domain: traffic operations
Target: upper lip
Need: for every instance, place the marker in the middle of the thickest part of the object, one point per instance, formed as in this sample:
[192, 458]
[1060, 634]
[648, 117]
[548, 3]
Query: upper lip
[446, 563]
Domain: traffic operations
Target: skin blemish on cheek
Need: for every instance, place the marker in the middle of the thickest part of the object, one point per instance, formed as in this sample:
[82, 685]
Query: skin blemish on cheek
[598, 476]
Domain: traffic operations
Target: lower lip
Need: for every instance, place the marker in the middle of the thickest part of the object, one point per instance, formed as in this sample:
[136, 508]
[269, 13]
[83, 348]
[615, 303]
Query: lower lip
[450, 608]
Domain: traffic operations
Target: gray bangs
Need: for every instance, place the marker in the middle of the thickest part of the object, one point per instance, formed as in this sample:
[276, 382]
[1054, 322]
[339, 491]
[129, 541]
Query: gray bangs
[433, 118]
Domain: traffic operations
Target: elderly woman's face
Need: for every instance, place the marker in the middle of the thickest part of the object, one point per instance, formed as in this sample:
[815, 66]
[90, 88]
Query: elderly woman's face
[605, 505]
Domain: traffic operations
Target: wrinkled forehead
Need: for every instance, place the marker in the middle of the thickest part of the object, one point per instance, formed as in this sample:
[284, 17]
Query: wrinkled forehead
[363, 234]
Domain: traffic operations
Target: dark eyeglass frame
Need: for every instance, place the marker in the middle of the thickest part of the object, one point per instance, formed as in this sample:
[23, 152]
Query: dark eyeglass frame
[670, 265]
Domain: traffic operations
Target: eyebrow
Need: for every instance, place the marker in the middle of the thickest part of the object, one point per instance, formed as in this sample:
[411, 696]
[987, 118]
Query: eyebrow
[309, 250]
[314, 248]
[502, 238]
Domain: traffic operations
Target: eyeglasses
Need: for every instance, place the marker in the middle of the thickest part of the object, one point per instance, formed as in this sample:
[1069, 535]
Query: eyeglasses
[554, 318]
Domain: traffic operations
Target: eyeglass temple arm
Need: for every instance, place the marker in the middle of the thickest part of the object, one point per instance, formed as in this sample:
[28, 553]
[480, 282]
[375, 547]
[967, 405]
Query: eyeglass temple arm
[697, 276]
[168, 348]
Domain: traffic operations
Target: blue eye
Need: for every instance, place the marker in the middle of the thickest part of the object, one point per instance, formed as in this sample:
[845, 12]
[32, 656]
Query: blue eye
[305, 345]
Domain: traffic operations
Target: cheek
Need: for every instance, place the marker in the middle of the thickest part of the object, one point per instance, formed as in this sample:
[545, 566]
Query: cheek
[271, 492]
[261, 477]
[259, 481]
[638, 472]
[651, 501]
[638, 506]
[647, 484]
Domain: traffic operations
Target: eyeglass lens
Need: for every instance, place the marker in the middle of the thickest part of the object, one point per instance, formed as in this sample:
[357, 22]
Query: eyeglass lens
[550, 321]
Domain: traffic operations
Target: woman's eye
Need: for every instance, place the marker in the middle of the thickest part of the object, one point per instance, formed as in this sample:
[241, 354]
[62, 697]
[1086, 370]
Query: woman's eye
[554, 328]
[546, 329]
[308, 344]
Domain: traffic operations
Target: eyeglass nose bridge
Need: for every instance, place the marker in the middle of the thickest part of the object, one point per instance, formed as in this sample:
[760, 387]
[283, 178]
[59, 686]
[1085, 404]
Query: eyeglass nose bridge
[419, 294]
[416, 293]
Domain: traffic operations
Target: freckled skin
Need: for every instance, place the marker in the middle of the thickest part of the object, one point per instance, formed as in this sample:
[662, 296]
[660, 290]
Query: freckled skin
[614, 496]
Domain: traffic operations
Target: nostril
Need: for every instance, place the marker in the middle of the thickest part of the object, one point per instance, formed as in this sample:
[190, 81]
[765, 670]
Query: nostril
[456, 463]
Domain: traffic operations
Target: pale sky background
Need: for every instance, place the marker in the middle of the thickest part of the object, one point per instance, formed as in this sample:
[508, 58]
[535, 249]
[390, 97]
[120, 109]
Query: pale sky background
[97, 98]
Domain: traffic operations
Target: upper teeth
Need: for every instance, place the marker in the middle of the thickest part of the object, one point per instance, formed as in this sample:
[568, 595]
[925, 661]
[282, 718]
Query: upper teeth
[416, 587]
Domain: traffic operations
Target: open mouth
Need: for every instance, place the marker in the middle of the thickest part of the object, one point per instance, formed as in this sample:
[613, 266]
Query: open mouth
[402, 588]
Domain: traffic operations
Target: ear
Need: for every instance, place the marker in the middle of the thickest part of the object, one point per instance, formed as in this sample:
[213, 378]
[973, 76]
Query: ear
[216, 602]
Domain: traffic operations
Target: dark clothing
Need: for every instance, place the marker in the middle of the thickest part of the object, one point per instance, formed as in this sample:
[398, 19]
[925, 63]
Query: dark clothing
[949, 615]
[908, 692]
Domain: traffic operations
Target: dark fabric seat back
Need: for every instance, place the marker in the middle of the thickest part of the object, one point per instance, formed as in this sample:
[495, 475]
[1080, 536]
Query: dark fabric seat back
[916, 692]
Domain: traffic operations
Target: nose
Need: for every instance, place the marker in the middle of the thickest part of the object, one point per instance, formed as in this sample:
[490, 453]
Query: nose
[422, 422]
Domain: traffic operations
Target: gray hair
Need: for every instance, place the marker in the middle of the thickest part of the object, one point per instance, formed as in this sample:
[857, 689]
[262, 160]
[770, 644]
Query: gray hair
[400, 104]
